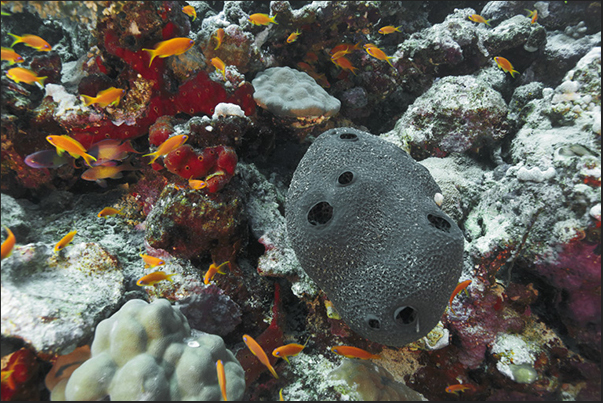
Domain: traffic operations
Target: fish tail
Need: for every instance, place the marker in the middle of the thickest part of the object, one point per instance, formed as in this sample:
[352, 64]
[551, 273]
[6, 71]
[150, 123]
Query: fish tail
[169, 277]
[17, 39]
[272, 371]
[155, 155]
[127, 147]
[487, 22]
[272, 20]
[88, 158]
[389, 61]
[152, 53]
[88, 100]
[513, 72]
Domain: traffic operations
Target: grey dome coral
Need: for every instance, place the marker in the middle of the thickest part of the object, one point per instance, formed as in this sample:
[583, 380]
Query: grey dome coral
[291, 93]
[146, 352]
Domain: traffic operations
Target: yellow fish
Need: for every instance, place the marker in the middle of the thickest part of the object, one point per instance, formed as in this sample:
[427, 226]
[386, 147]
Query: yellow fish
[533, 15]
[262, 19]
[151, 261]
[221, 378]
[389, 29]
[64, 241]
[196, 184]
[354, 352]
[102, 172]
[293, 37]
[8, 244]
[219, 65]
[257, 350]
[110, 149]
[219, 36]
[478, 18]
[32, 41]
[288, 350]
[505, 65]
[190, 11]
[211, 272]
[21, 74]
[168, 146]
[72, 146]
[154, 278]
[11, 56]
[171, 47]
[110, 96]
[109, 211]
[377, 53]
[345, 64]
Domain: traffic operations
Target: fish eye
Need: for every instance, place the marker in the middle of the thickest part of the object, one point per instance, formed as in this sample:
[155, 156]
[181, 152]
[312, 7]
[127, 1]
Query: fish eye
[278, 353]
[405, 315]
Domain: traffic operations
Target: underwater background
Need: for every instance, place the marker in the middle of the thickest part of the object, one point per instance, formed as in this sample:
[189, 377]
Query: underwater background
[147, 153]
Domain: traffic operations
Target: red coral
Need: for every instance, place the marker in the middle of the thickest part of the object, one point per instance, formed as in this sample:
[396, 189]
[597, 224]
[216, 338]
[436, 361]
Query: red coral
[17, 369]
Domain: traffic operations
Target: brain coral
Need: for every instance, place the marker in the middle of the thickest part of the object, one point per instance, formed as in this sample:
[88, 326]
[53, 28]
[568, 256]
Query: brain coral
[291, 93]
[363, 222]
[146, 352]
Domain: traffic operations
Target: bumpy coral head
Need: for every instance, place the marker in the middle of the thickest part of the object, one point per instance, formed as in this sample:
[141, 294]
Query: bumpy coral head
[294, 94]
[364, 225]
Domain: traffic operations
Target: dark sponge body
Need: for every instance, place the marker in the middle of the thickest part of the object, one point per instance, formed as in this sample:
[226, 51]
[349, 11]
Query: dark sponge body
[363, 223]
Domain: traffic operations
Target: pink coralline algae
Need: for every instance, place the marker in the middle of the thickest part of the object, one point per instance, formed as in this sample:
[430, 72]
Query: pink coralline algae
[577, 275]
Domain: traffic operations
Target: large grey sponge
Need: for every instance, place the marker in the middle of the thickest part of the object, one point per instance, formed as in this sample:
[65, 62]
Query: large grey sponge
[362, 220]
[288, 92]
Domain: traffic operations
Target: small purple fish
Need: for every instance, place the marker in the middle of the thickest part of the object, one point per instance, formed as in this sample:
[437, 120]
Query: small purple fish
[46, 159]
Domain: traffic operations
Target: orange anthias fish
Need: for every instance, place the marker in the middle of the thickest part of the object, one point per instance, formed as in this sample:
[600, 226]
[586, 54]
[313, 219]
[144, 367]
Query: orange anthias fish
[478, 18]
[221, 378]
[8, 244]
[534, 15]
[110, 150]
[211, 272]
[505, 65]
[72, 146]
[171, 47]
[354, 352]
[197, 184]
[219, 37]
[32, 41]
[64, 241]
[255, 348]
[288, 350]
[21, 74]
[109, 211]
[11, 56]
[262, 19]
[456, 389]
[168, 146]
[151, 261]
[151, 279]
[389, 29]
[293, 37]
[219, 65]
[102, 172]
[460, 287]
[377, 53]
[190, 11]
[345, 64]
[110, 96]
[345, 46]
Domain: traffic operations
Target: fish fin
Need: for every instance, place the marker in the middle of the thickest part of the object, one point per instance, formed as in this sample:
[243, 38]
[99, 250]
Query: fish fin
[40, 81]
[273, 371]
[155, 155]
[102, 183]
[88, 100]
[287, 359]
[152, 53]
[17, 39]
[169, 277]
[513, 72]
[273, 21]
[88, 158]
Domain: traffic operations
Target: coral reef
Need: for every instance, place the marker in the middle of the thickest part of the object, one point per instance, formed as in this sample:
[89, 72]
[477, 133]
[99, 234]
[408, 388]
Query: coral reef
[516, 158]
